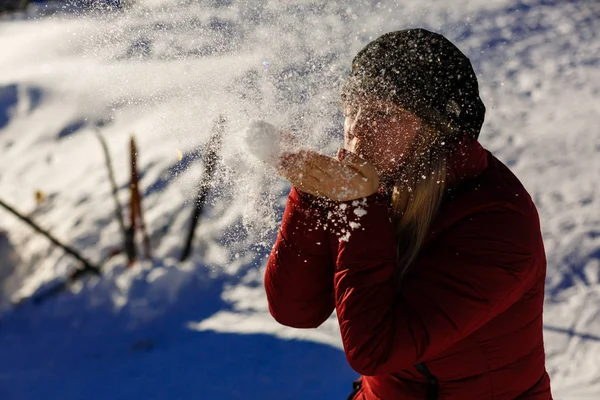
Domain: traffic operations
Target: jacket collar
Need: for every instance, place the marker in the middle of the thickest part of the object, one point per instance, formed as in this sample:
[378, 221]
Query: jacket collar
[466, 162]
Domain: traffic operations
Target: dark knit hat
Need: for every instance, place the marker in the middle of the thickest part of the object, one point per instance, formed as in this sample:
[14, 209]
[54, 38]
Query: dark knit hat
[424, 73]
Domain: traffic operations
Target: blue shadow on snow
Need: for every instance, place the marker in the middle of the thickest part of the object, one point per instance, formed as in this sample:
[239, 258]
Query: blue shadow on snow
[68, 348]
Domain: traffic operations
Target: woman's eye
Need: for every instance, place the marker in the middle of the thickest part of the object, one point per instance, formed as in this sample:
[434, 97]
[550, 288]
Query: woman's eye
[382, 114]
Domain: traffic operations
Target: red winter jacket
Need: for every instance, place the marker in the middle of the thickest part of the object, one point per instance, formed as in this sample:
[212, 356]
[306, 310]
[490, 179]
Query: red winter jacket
[466, 321]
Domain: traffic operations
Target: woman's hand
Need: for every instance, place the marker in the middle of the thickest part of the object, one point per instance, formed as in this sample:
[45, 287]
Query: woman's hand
[347, 178]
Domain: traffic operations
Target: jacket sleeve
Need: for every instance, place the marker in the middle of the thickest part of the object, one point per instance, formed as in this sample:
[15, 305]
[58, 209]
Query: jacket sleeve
[299, 274]
[478, 270]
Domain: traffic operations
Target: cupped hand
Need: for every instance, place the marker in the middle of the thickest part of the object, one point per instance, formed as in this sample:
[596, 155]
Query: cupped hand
[348, 177]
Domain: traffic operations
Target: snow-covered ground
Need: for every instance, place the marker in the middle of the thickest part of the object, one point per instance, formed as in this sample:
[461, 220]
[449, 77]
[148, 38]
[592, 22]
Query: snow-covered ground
[164, 71]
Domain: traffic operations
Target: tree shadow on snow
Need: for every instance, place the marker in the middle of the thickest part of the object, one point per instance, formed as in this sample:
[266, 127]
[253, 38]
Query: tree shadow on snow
[572, 333]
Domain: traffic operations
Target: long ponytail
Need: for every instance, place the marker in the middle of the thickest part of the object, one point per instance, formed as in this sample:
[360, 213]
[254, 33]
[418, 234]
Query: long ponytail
[417, 195]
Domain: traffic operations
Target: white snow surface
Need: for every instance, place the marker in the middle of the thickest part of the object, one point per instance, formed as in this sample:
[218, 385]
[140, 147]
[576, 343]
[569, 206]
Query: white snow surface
[164, 71]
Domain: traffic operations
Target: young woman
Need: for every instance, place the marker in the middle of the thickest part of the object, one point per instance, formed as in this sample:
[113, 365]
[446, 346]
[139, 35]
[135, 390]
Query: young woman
[425, 244]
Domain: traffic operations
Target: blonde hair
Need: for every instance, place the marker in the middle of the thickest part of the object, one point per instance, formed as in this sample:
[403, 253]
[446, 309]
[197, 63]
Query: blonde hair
[417, 194]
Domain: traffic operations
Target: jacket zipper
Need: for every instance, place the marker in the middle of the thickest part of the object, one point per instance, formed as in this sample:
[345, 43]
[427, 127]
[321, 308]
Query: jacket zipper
[432, 382]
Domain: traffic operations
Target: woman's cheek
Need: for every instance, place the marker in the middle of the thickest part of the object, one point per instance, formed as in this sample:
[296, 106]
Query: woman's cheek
[390, 154]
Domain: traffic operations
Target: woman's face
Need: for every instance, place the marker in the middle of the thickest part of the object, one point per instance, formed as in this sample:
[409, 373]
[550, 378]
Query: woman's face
[379, 131]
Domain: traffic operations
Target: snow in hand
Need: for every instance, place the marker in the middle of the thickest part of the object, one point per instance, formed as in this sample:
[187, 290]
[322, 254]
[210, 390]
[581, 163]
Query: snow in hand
[164, 70]
[264, 142]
